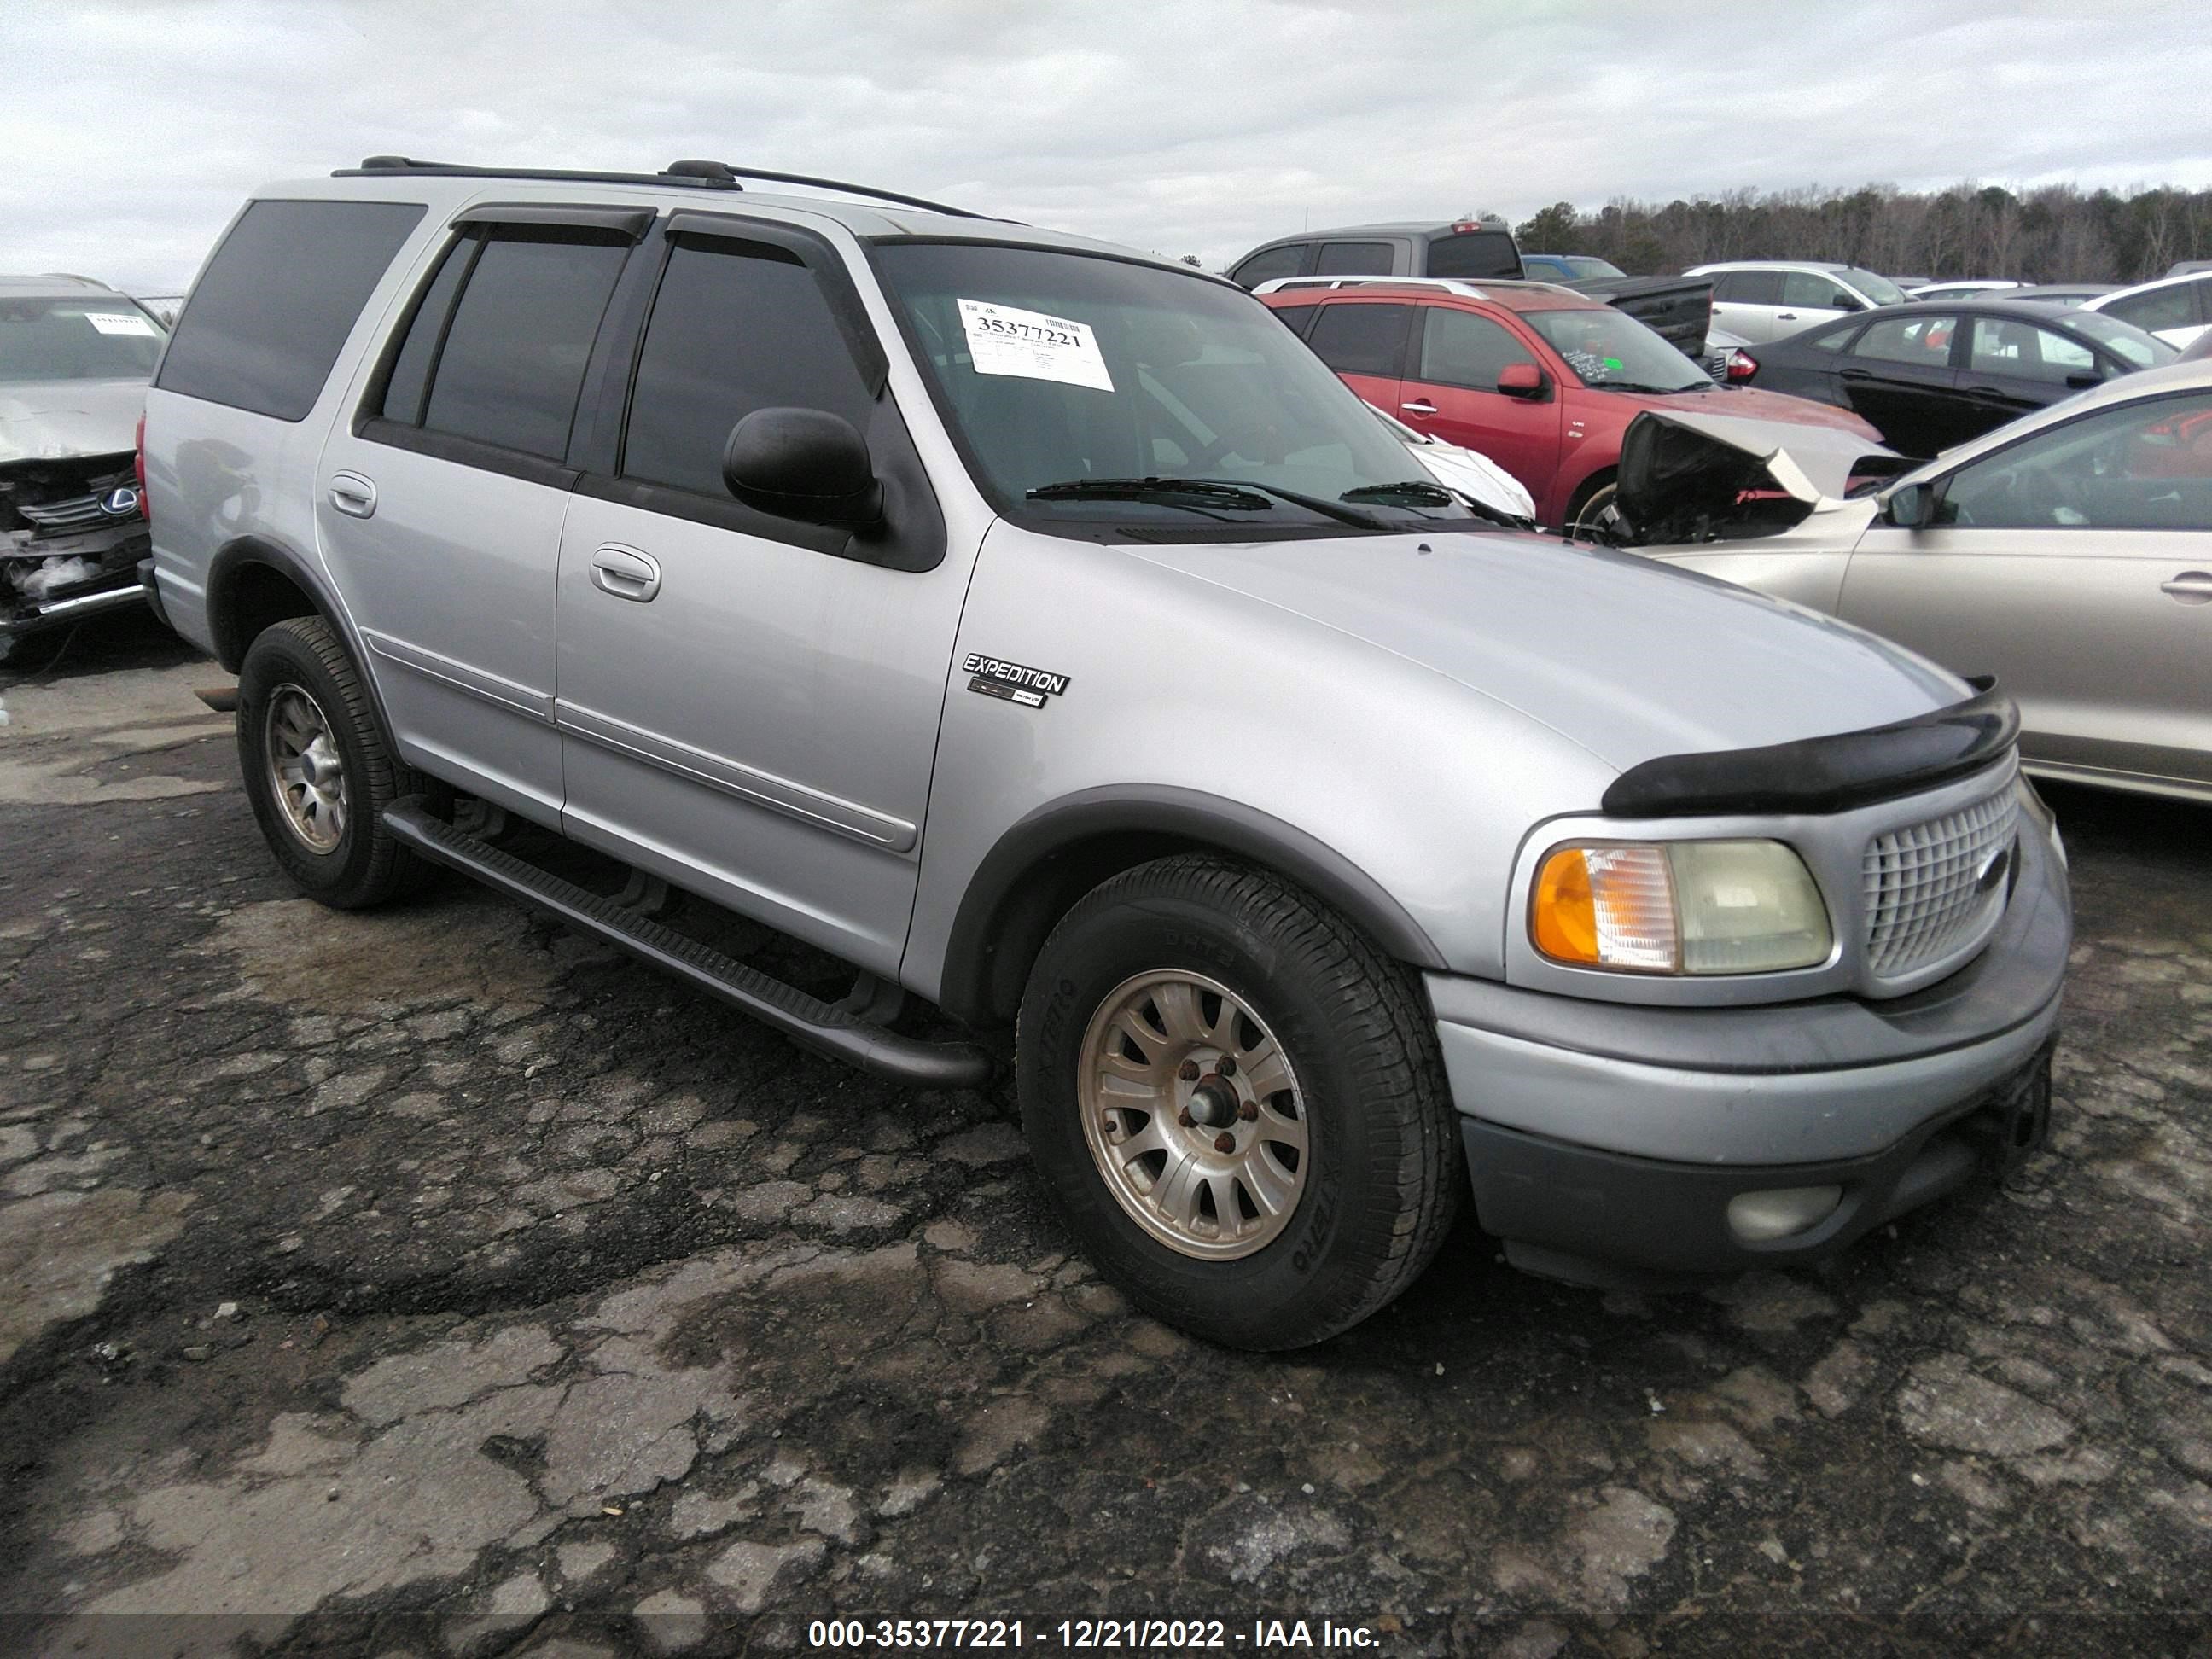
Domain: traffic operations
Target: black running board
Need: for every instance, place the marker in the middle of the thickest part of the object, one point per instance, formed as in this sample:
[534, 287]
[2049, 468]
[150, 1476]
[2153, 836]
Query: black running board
[806, 1020]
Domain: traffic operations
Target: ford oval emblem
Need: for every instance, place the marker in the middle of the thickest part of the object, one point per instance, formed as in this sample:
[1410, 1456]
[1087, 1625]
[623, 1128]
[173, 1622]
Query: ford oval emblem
[120, 503]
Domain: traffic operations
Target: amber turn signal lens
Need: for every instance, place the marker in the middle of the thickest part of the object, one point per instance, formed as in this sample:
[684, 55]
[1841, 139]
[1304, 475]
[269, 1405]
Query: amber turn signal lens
[1606, 907]
[1566, 918]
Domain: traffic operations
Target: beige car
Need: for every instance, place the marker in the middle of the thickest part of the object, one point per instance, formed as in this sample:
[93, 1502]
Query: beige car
[2069, 554]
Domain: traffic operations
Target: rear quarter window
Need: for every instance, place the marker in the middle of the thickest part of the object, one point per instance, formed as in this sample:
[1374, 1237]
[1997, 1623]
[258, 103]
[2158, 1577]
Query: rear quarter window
[268, 315]
[1474, 253]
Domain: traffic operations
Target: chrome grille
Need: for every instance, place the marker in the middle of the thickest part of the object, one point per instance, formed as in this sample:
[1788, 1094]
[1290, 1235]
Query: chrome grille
[73, 514]
[1922, 885]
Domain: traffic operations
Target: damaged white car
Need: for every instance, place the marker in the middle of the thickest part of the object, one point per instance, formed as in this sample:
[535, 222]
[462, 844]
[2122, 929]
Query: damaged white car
[2069, 553]
[75, 360]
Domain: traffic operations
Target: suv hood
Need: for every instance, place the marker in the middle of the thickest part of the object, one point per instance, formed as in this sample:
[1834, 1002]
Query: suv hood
[60, 420]
[1628, 658]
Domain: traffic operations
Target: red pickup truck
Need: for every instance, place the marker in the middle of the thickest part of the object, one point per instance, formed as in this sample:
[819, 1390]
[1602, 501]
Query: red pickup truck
[1538, 378]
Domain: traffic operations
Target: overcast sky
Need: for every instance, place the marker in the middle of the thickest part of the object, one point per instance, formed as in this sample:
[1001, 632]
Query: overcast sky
[131, 130]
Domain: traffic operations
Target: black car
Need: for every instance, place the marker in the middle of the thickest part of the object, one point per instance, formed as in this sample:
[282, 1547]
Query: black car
[1929, 375]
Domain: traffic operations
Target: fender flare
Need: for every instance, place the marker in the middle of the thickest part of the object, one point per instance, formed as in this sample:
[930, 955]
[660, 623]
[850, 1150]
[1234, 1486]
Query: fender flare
[1028, 865]
[230, 563]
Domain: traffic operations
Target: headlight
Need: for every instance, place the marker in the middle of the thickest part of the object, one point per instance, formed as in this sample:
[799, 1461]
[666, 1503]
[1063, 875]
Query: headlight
[1684, 907]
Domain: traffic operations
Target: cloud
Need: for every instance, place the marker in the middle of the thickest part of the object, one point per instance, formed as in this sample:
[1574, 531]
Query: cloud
[134, 130]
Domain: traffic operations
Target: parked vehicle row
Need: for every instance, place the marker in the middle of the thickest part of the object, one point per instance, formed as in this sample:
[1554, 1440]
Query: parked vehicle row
[1480, 247]
[1540, 379]
[1044, 631]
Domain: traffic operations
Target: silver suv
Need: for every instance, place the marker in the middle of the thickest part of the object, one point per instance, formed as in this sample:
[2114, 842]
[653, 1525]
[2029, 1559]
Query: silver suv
[1043, 631]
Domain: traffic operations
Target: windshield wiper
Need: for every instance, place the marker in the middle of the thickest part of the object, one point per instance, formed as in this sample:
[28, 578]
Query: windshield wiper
[1413, 492]
[1638, 385]
[1327, 508]
[1425, 494]
[1192, 495]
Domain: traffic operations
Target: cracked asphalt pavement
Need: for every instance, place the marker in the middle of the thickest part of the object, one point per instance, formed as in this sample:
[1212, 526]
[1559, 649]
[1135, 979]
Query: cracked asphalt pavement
[434, 1281]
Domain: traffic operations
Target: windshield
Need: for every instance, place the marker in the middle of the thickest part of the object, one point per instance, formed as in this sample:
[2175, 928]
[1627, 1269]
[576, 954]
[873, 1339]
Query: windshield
[1584, 265]
[2143, 350]
[1611, 350]
[1880, 290]
[1094, 391]
[93, 337]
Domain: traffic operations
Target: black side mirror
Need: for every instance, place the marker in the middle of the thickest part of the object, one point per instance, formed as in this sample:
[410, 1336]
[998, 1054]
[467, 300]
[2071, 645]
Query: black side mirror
[1844, 302]
[1910, 506]
[2082, 379]
[803, 464]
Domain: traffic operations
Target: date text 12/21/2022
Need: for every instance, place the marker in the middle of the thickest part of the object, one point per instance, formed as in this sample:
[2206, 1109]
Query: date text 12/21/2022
[1261, 1635]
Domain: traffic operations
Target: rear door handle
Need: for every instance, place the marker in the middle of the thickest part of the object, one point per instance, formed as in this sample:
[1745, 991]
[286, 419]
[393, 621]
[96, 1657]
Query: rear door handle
[1857, 374]
[353, 495]
[1418, 406]
[626, 573]
[1984, 391]
[2190, 587]
[1786, 317]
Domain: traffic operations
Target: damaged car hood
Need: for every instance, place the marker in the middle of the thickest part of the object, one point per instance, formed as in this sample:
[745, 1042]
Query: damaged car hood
[60, 419]
[1684, 476]
[1629, 659]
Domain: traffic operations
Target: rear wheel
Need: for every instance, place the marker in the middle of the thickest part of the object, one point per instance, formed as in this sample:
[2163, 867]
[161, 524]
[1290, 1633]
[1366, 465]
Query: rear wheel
[318, 770]
[1236, 1102]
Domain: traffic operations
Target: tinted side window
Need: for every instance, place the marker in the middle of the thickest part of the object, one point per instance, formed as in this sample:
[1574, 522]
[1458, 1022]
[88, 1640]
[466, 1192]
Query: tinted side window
[1461, 349]
[411, 371]
[2145, 465]
[1266, 265]
[2162, 307]
[1353, 259]
[731, 331]
[1749, 288]
[1476, 254]
[1363, 339]
[2026, 352]
[1295, 318]
[1804, 288]
[1923, 342]
[273, 309]
[514, 354]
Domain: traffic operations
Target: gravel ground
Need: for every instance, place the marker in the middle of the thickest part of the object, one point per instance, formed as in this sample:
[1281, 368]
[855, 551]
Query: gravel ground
[434, 1281]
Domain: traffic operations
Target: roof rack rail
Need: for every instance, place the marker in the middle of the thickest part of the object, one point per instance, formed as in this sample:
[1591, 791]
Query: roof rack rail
[724, 170]
[376, 164]
[692, 174]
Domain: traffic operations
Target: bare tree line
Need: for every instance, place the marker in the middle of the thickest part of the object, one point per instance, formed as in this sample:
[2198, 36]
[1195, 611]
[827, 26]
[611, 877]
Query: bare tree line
[2055, 234]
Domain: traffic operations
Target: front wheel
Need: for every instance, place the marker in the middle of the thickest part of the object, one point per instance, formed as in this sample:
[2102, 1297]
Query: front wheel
[1236, 1102]
[1597, 517]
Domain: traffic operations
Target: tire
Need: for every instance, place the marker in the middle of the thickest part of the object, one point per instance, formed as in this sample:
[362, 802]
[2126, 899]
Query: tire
[1594, 512]
[1357, 1157]
[328, 833]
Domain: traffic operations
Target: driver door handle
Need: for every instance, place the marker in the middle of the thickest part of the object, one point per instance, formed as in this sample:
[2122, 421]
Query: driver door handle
[626, 573]
[1418, 406]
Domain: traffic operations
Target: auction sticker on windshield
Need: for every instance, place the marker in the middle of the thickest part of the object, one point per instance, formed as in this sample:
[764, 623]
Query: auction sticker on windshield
[1006, 340]
[114, 322]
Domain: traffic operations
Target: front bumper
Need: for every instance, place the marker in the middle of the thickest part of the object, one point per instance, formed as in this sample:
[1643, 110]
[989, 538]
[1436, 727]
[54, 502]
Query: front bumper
[1606, 1141]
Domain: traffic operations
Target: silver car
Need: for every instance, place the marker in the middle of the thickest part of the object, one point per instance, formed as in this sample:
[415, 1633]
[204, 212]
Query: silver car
[1763, 299]
[2069, 553]
[74, 358]
[1046, 633]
